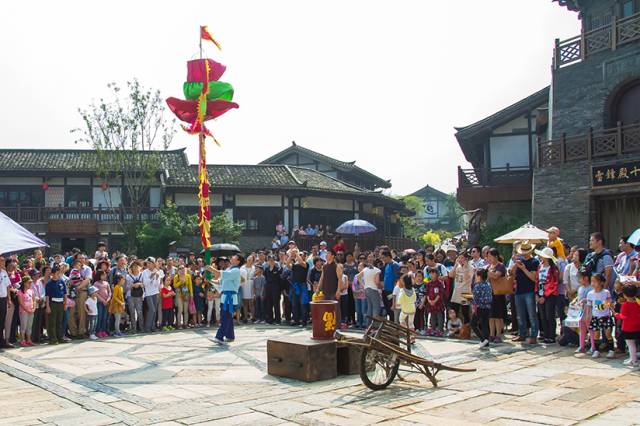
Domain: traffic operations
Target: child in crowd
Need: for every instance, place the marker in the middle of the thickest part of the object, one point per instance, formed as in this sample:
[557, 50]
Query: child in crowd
[103, 292]
[581, 302]
[116, 304]
[91, 308]
[259, 281]
[213, 301]
[454, 324]
[599, 301]
[27, 308]
[407, 302]
[481, 306]
[395, 294]
[167, 294]
[198, 300]
[359, 299]
[419, 287]
[435, 303]
[344, 302]
[630, 317]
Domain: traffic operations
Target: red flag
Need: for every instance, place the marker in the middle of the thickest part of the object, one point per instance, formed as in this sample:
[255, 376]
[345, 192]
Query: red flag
[206, 35]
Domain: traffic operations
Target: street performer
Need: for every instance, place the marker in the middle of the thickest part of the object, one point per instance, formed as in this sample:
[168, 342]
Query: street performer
[229, 285]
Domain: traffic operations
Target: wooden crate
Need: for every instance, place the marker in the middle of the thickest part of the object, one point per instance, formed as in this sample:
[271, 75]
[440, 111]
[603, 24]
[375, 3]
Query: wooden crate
[348, 359]
[302, 358]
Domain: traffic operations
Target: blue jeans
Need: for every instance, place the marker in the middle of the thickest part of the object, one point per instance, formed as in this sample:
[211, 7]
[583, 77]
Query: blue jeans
[93, 320]
[299, 297]
[103, 314]
[361, 309]
[526, 307]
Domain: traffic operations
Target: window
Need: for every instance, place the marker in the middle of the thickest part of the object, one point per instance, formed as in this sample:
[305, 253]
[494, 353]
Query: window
[627, 8]
[27, 197]
[77, 196]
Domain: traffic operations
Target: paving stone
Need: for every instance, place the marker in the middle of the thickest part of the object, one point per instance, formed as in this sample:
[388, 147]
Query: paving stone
[257, 419]
[286, 409]
[340, 416]
[497, 412]
[510, 389]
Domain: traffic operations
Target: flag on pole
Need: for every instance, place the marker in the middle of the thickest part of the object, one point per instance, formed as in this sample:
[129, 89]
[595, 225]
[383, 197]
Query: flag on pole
[206, 35]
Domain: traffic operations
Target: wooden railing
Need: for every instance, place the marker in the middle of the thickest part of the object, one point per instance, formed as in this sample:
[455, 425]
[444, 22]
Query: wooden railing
[44, 214]
[578, 48]
[619, 140]
[366, 242]
[495, 176]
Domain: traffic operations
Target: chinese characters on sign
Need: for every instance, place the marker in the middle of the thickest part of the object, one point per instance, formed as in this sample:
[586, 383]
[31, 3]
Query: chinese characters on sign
[615, 174]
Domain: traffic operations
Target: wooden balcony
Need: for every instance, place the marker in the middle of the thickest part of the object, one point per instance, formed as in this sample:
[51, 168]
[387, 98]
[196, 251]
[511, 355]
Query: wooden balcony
[495, 176]
[617, 141]
[608, 37]
[102, 215]
[479, 186]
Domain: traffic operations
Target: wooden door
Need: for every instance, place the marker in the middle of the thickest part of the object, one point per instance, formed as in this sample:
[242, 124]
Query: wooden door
[618, 217]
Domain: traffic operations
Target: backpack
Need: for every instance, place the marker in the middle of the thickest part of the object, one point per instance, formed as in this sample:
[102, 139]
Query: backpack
[591, 262]
[136, 291]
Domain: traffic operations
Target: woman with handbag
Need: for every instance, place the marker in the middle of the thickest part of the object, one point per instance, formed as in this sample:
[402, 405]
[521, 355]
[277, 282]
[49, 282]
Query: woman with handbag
[500, 287]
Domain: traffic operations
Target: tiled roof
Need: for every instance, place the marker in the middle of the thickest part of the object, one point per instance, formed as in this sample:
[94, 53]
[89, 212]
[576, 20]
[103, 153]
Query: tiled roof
[429, 191]
[339, 165]
[264, 176]
[179, 173]
[504, 116]
[75, 160]
[570, 4]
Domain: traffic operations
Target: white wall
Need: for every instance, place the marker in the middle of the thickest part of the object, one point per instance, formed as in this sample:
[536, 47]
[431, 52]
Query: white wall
[187, 199]
[255, 200]
[20, 181]
[512, 149]
[327, 203]
[78, 181]
[154, 197]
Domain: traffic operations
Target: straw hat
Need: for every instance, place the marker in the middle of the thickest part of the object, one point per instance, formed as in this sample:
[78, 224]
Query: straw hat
[525, 247]
[547, 253]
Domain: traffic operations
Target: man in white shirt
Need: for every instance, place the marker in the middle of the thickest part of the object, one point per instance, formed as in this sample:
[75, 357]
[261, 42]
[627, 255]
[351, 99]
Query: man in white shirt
[4, 302]
[152, 281]
[370, 276]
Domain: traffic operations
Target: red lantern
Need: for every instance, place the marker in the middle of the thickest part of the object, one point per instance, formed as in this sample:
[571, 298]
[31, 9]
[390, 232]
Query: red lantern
[45, 185]
[104, 186]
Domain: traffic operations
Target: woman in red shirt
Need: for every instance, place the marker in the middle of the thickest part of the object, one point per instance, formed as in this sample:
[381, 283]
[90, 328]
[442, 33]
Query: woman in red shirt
[547, 293]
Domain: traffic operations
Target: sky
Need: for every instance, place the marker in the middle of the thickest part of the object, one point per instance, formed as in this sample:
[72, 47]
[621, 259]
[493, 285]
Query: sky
[379, 82]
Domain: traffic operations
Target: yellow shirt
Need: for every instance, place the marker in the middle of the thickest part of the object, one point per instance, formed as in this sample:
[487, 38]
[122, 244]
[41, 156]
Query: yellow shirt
[407, 303]
[116, 305]
[557, 244]
[178, 284]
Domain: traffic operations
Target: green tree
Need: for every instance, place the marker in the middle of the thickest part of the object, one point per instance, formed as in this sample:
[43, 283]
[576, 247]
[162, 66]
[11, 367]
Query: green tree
[153, 239]
[411, 226]
[453, 214]
[224, 230]
[127, 131]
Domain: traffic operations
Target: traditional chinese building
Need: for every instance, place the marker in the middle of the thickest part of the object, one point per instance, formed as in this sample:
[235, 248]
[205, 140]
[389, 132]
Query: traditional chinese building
[59, 195]
[436, 208]
[501, 150]
[587, 174]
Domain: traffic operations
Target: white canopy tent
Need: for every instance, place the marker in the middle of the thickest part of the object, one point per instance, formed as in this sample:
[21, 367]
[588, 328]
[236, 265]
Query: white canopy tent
[16, 238]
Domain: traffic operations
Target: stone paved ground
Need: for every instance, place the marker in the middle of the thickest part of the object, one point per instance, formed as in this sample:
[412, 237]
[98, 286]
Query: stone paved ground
[181, 378]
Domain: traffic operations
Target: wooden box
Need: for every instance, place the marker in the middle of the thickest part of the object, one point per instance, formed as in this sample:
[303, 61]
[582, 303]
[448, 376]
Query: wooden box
[302, 358]
[348, 359]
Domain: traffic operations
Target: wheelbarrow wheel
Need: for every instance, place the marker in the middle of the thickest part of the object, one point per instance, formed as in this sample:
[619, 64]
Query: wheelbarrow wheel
[377, 369]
